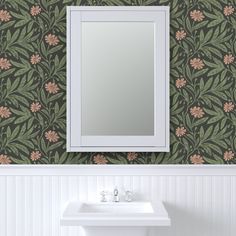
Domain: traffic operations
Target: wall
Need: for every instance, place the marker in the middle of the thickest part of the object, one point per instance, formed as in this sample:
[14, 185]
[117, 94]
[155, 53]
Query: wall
[33, 82]
[200, 201]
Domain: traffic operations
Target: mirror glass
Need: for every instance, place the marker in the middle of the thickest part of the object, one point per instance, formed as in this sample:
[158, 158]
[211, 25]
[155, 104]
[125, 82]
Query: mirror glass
[117, 78]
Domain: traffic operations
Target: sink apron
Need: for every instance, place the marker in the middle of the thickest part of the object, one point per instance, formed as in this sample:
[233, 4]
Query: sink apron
[115, 231]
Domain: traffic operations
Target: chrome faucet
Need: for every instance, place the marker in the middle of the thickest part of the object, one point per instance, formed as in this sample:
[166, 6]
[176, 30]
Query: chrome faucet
[128, 196]
[103, 196]
[116, 195]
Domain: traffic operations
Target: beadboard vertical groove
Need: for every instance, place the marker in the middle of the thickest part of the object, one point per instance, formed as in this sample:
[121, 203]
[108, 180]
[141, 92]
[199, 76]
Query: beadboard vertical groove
[233, 205]
[3, 201]
[198, 204]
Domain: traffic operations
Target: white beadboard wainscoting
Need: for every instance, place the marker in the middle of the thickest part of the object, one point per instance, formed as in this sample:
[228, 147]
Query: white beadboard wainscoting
[201, 200]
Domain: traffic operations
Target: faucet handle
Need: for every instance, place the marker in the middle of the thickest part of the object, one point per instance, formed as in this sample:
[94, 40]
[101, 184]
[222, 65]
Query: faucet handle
[103, 196]
[128, 196]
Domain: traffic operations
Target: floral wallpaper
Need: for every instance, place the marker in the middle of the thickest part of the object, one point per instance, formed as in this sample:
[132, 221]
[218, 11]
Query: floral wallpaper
[33, 83]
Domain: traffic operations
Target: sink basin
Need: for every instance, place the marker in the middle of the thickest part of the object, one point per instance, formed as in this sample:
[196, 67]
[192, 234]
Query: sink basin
[115, 214]
[116, 208]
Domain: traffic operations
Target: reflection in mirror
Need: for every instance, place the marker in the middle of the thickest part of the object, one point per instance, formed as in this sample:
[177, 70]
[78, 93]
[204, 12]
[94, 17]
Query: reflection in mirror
[117, 78]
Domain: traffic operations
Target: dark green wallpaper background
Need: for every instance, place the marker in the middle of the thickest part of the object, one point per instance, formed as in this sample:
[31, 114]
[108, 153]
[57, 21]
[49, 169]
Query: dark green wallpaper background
[33, 83]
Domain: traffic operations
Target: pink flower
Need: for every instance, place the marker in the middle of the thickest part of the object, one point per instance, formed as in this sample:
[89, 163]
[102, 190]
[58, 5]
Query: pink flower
[4, 64]
[51, 39]
[228, 107]
[180, 34]
[179, 83]
[4, 112]
[197, 112]
[197, 159]
[228, 155]
[132, 156]
[197, 63]
[197, 15]
[4, 16]
[100, 159]
[52, 136]
[35, 106]
[228, 10]
[51, 88]
[228, 59]
[35, 59]
[35, 155]
[180, 131]
[4, 159]
[35, 10]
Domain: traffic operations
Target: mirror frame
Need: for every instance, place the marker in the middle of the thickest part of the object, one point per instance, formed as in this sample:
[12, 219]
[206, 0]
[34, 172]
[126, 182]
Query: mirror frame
[159, 142]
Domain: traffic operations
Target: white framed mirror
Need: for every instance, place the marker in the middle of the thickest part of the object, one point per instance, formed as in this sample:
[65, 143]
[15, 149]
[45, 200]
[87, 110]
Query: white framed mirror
[117, 79]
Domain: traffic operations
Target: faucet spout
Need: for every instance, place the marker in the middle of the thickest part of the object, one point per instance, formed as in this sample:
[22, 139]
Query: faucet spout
[116, 195]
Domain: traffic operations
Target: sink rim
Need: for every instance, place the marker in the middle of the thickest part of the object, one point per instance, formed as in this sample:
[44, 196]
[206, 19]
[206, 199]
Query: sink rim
[71, 215]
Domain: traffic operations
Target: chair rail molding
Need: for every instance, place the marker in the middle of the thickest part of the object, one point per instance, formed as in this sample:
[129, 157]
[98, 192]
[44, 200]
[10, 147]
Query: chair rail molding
[111, 170]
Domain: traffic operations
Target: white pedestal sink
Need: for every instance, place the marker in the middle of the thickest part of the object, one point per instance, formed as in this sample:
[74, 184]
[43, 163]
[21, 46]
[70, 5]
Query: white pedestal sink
[115, 219]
